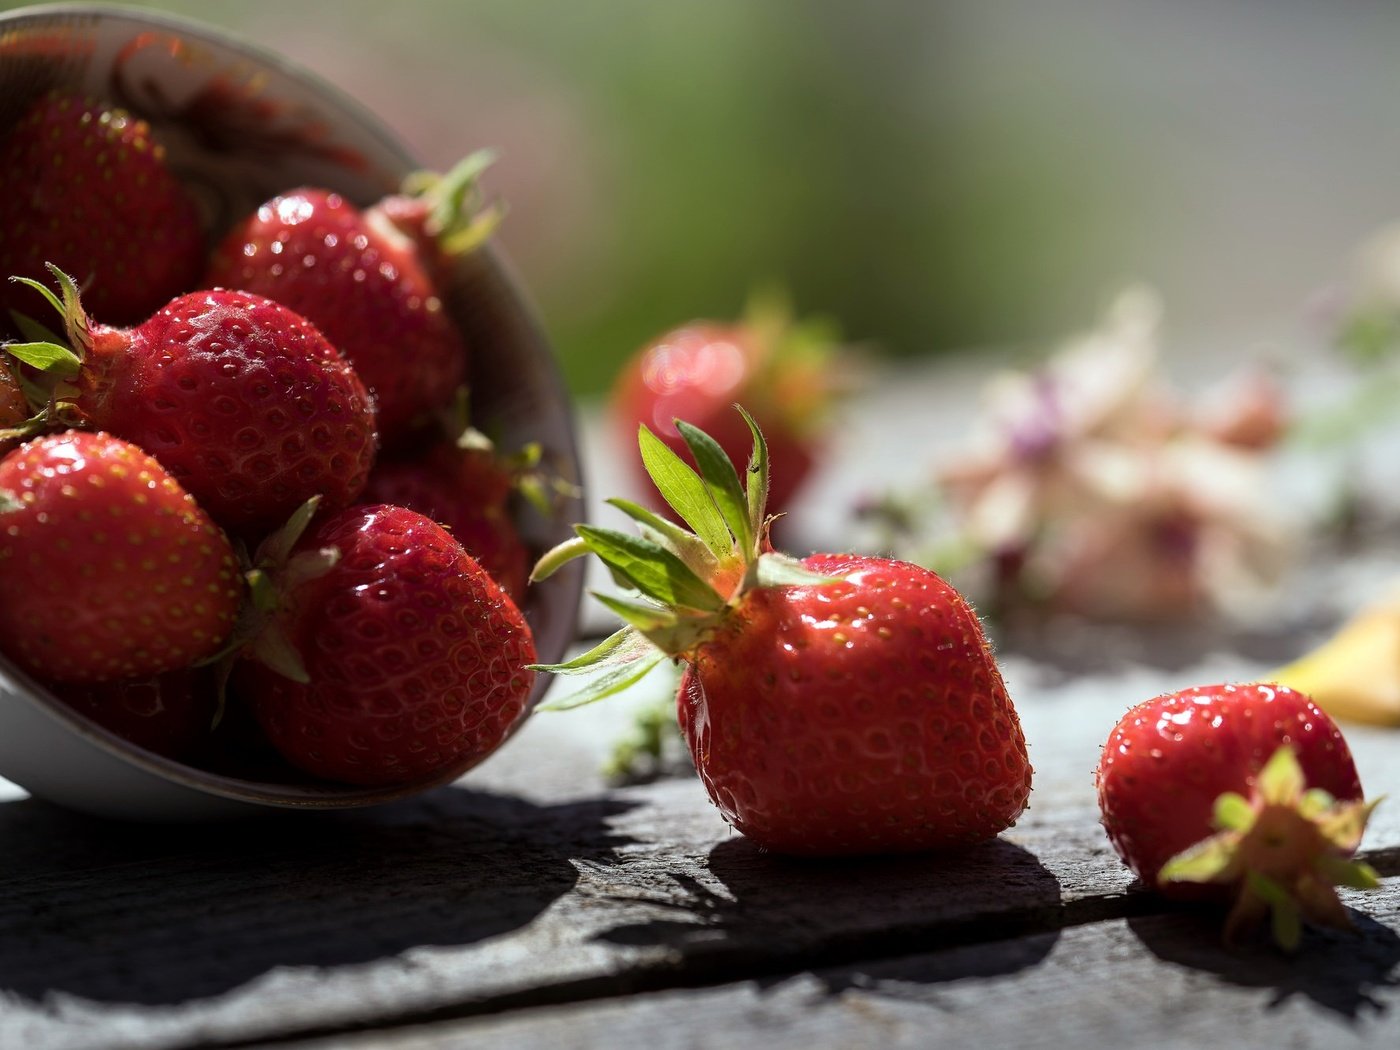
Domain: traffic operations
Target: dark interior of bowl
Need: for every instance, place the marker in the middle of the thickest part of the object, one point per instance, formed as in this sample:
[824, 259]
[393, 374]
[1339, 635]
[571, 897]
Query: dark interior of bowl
[239, 125]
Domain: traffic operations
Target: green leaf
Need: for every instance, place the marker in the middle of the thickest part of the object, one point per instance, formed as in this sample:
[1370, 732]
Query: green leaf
[650, 568]
[1281, 780]
[1287, 922]
[1233, 812]
[783, 570]
[608, 683]
[686, 545]
[43, 290]
[669, 631]
[1345, 823]
[643, 616]
[756, 480]
[277, 548]
[722, 481]
[1353, 874]
[621, 646]
[1209, 860]
[273, 648]
[47, 357]
[554, 559]
[684, 492]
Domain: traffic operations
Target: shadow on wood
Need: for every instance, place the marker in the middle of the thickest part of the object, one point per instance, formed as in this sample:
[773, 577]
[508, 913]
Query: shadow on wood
[160, 915]
[762, 916]
[1338, 970]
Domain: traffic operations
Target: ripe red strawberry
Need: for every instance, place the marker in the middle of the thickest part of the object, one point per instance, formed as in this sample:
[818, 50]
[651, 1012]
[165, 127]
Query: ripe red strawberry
[374, 288]
[84, 185]
[172, 714]
[783, 372]
[241, 399]
[108, 568]
[391, 657]
[468, 492]
[1237, 791]
[838, 705]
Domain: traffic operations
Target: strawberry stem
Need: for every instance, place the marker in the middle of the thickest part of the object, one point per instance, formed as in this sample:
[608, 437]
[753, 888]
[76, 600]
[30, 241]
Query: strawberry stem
[1287, 848]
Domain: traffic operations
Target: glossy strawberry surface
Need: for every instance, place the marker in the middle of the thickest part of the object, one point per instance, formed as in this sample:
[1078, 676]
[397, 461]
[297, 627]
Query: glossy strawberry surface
[467, 493]
[865, 716]
[108, 568]
[1169, 759]
[241, 399]
[416, 658]
[84, 185]
[363, 284]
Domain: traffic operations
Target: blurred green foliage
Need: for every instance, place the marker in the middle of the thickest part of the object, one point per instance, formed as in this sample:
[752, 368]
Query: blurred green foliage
[933, 176]
[845, 152]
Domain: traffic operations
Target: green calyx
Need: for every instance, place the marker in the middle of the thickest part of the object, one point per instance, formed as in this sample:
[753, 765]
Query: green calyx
[1287, 849]
[56, 359]
[687, 582]
[276, 572]
[457, 218]
[802, 366]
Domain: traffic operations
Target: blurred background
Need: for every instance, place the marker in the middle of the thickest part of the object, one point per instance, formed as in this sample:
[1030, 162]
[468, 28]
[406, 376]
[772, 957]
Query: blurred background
[933, 176]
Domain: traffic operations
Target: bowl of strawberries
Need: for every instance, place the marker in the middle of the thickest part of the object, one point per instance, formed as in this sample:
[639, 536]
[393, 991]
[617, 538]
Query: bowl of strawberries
[270, 404]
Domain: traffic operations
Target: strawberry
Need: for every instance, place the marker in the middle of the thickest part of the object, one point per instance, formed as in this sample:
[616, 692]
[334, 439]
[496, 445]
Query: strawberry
[172, 714]
[240, 398]
[782, 371]
[837, 705]
[468, 492]
[85, 185]
[108, 568]
[372, 281]
[1237, 791]
[389, 656]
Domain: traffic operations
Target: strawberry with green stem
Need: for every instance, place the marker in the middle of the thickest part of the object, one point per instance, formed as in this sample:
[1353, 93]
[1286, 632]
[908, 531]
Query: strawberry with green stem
[786, 372]
[381, 652]
[241, 399]
[834, 705]
[1242, 793]
[373, 281]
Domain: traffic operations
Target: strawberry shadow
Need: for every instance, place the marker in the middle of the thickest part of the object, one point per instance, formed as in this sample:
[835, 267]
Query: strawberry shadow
[164, 915]
[1341, 971]
[744, 914]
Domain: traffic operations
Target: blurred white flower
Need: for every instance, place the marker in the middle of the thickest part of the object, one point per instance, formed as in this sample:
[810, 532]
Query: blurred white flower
[1091, 488]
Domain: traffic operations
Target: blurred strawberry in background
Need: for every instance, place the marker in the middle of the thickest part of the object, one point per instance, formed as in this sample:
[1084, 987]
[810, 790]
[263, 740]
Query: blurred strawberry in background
[787, 373]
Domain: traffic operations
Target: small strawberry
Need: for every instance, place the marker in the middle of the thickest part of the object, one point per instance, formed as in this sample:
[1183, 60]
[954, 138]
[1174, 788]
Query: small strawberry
[372, 281]
[172, 714]
[108, 568]
[240, 398]
[837, 705]
[785, 373]
[389, 655]
[84, 185]
[1243, 792]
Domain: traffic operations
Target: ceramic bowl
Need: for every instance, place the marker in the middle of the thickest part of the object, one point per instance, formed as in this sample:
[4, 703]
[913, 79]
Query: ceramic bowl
[240, 124]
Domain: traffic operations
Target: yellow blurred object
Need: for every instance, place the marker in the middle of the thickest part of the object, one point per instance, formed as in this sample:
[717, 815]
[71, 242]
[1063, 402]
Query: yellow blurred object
[1355, 674]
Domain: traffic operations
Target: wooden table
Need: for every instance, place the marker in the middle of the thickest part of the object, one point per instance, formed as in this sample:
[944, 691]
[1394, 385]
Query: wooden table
[534, 905]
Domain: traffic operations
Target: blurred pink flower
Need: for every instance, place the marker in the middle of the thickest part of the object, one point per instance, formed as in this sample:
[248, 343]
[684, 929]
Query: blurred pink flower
[1091, 488]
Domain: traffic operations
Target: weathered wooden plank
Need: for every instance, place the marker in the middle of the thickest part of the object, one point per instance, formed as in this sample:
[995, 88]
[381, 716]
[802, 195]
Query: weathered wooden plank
[473, 902]
[1158, 981]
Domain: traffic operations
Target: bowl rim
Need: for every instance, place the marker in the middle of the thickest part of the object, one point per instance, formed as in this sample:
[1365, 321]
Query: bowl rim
[16, 682]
